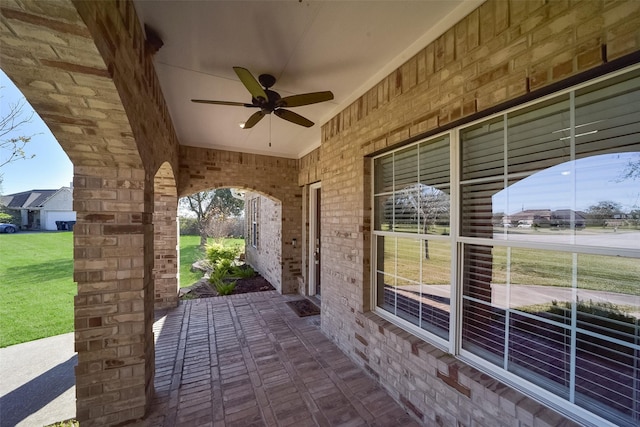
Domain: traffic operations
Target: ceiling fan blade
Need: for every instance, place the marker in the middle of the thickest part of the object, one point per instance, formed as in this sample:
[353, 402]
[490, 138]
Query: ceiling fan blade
[293, 117]
[231, 103]
[255, 118]
[250, 83]
[305, 99]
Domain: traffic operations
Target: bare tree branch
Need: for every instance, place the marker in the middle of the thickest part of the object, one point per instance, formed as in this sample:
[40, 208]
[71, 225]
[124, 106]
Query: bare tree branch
[12, 119]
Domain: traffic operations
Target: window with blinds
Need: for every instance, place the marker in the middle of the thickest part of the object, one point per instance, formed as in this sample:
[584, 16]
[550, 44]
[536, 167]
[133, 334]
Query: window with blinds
[551, 268]
[546, 240]
[411, 224]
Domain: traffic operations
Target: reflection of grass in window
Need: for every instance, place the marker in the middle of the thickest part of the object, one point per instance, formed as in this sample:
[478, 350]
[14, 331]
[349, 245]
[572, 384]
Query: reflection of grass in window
[550, 268]
[436, 269]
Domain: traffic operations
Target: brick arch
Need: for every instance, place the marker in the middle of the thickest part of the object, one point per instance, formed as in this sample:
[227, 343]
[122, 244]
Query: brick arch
[165, 238]
[273, 177]
[66, 81]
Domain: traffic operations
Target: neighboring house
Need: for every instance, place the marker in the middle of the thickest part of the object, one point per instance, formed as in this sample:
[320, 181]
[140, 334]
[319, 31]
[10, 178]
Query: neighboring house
[41, 209]
[546, 218]
[529, 217]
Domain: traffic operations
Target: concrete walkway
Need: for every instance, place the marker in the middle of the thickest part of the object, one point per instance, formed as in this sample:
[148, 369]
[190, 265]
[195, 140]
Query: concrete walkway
[244, 360]
[37, 382]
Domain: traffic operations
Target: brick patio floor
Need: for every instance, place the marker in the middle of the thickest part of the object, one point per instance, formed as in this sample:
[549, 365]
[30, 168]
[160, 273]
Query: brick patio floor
[249, 360]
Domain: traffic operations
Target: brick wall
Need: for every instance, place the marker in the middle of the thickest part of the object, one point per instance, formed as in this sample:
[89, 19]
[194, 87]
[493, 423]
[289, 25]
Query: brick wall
[266, 258]
[501, 51]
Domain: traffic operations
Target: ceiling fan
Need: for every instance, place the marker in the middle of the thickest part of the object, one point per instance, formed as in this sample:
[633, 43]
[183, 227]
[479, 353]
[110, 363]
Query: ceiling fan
[269, 101]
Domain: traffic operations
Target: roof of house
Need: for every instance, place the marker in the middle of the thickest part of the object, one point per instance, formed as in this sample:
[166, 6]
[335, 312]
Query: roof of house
[32, 199]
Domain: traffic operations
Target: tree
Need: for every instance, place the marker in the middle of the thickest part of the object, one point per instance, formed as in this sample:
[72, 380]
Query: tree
[631, 170]
[211, 207]
[599, 213]
[12, 119]
[422, 204]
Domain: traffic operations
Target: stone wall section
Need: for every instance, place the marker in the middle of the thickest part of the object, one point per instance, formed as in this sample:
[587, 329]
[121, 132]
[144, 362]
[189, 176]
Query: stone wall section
[266, 258]
[273, 177]
[501, 51]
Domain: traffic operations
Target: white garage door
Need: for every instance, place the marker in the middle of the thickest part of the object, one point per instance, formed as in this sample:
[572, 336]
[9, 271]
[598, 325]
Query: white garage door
[49, 222]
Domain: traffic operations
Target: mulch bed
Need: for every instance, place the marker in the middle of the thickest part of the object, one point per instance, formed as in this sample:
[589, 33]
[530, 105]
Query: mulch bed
[202, 289]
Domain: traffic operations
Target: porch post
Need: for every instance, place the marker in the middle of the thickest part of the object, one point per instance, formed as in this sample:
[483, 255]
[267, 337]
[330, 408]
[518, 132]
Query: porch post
[113, 259]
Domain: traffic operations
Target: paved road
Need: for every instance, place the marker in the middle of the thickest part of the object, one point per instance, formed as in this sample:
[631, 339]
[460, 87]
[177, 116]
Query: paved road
[37, 382]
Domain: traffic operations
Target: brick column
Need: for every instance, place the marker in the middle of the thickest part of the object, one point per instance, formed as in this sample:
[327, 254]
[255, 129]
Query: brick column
[165, 243]
[114, 305]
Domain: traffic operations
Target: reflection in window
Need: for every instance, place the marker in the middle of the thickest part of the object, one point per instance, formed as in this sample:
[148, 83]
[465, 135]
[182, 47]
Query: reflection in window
[550, 216]
[581, 202]
[413, 249]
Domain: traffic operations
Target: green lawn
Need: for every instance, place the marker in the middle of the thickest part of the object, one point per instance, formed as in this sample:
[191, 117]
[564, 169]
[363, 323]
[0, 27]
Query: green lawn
[37, 287]
[527, 266]
[36, 276]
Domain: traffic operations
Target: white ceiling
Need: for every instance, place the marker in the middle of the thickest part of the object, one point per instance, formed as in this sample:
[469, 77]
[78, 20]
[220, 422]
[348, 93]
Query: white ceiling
[342, 46]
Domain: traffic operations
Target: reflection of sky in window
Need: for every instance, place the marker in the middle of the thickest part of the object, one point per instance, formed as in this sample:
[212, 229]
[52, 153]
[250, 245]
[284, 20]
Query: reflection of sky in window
[595, 179]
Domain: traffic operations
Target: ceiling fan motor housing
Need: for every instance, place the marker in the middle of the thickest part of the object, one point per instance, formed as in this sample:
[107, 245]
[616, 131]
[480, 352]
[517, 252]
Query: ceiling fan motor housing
[269, 105]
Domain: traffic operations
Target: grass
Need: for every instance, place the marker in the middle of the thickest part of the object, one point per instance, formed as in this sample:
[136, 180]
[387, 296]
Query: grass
[37, 287]
[36, 299]
[527, 267]
[550, 268]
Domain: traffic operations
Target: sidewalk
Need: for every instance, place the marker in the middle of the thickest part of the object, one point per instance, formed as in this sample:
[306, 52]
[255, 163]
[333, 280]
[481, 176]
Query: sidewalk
[37, 385]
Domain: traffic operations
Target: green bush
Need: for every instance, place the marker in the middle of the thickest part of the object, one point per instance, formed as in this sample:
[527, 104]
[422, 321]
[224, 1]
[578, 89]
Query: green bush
[224, 267]
[243, 272]
[11, 216]
[216, 251]
[188, 226]
[225, 288]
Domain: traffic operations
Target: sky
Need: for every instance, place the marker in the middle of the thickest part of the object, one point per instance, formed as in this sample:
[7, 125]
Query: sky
[575, 185]
[50, 169]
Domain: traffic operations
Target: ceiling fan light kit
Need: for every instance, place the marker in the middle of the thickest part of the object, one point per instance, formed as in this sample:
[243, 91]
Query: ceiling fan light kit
[269, 101]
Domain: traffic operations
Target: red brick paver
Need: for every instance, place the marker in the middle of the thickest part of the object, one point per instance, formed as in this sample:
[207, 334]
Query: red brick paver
[249, 360]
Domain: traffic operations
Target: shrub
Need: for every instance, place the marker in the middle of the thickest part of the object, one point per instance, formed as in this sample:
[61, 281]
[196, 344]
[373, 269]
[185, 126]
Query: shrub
[243, 272]
[220, 285]
[188, 226]
[224, 267]
[216, 251]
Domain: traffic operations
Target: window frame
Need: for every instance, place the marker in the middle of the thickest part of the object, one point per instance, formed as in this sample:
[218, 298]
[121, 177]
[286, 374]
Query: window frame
[458, 242]
[254, 222]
